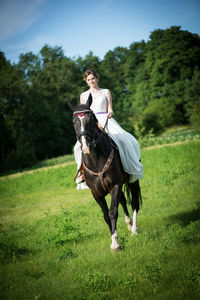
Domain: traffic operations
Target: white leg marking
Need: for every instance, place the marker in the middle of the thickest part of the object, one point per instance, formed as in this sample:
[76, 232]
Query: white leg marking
[115, 245]
[134, 229]
[85, 148]
[129, 222]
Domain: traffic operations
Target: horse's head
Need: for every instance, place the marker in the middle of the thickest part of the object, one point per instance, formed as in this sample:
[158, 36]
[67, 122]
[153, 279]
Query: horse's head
[84, 121]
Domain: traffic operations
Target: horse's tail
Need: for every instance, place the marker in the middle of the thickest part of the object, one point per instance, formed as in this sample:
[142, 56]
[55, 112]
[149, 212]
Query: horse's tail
[133, 194]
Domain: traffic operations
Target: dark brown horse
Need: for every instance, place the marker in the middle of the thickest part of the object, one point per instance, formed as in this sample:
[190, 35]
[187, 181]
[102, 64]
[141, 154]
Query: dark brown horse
[103, 170]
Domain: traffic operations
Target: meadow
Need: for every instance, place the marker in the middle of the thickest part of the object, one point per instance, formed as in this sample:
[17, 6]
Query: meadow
[54, 243]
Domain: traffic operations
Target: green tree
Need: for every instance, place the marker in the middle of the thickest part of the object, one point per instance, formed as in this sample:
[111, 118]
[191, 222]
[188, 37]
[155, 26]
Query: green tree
[171, 56]
[90, 61]
[29, 64]
[136, 77]
[192, 98]
[50, 126]
[11, 104]
[112, 69]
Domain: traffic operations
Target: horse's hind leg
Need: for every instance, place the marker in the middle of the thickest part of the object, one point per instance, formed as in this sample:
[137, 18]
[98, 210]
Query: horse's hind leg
[135, 203]
[128, 219]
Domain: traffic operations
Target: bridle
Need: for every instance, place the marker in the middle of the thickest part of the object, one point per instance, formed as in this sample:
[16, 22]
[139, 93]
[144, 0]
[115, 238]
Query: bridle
[87, 132]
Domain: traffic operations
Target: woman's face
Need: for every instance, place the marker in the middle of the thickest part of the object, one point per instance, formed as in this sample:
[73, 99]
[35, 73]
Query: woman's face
[92, 81]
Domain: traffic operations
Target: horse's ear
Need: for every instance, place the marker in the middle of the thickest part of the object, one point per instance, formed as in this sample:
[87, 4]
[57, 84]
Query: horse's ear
[70, 104]
[89, 100]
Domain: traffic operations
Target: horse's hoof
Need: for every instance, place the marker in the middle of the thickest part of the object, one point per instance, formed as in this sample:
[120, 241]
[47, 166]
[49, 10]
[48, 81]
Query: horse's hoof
[113, 250]
[129, 226]
[133, 233]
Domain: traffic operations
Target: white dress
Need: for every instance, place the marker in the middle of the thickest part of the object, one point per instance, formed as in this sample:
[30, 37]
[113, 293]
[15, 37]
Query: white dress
[127, 144]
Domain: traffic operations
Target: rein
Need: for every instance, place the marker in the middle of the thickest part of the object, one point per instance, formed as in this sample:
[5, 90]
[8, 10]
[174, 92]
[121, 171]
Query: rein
[103, 131]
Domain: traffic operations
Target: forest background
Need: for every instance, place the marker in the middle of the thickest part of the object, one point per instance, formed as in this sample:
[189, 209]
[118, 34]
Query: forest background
[154, 85]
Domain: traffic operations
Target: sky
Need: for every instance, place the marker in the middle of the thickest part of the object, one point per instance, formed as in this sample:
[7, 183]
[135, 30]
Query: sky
[81, 26]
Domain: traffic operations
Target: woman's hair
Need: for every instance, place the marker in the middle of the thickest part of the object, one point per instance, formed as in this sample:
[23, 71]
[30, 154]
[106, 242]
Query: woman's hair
[90, 71]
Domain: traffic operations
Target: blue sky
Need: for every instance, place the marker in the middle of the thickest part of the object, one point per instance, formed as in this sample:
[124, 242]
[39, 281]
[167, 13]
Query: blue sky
[80, 26]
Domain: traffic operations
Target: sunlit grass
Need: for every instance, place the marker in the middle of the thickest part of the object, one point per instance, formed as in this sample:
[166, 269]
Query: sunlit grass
[56, 245]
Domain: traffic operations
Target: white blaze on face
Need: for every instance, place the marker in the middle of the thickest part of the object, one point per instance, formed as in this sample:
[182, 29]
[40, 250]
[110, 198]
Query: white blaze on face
[85, 148]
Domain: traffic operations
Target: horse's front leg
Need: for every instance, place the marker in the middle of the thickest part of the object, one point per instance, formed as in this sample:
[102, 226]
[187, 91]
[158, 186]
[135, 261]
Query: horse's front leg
[102, 203]
[113, 214]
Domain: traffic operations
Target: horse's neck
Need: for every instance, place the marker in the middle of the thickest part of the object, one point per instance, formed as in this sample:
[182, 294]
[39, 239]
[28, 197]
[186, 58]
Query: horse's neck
[104, 146]
[100, 153]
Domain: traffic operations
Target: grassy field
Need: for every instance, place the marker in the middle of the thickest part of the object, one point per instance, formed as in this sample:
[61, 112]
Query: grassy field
[54, 243]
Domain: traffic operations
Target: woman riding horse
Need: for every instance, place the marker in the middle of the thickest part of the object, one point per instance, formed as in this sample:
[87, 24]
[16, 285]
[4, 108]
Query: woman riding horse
[127, 144]
[107, 165]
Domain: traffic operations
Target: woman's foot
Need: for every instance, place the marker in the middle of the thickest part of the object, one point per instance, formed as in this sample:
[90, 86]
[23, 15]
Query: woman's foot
[80, 179]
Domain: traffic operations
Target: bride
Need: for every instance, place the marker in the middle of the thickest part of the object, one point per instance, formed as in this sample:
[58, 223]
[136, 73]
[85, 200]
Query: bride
[127, 144]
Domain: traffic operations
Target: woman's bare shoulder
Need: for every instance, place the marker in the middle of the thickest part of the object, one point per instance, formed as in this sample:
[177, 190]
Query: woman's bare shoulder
[106, 91]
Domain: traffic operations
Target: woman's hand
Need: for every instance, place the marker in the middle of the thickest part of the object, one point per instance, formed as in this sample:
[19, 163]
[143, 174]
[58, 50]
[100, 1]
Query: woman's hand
[110, 114]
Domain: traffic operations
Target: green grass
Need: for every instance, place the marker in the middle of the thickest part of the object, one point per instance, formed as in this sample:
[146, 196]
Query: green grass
[56, 245]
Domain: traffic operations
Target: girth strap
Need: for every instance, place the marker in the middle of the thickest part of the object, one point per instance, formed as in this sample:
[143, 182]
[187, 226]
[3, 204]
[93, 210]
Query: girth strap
[105, 168]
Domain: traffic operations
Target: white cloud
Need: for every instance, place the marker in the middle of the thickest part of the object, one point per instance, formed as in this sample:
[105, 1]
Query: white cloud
[33, 45]
[16, 16]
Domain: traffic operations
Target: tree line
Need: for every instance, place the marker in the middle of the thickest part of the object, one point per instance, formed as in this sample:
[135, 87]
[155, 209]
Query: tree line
[154, 85]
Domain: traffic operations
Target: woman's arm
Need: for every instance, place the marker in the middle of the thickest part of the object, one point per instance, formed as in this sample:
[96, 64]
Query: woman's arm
[109, 102]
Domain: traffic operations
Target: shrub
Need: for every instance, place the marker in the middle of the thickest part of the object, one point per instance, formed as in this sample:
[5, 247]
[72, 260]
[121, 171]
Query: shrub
[151, 123]
[195, 116]
[159, 114]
